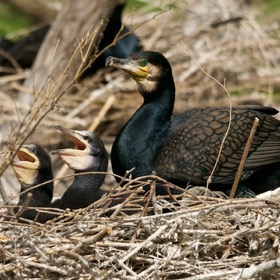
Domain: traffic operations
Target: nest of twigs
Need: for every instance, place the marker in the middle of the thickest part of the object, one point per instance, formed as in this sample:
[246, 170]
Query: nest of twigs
[148, 237]
[210, 44]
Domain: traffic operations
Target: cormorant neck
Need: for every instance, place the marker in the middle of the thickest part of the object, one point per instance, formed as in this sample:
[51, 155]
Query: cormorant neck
[159, 99]
[42, 195]
[89, 181]
[158, 91]
[138, 143]
[85, 188]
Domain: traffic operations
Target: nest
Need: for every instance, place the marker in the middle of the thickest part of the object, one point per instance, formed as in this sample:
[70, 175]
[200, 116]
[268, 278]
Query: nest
[211, 45]
[194, 237]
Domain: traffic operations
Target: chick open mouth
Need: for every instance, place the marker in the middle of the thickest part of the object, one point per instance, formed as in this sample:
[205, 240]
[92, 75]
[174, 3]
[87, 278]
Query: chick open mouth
[79, 145]
[23, 156]
[26, 159]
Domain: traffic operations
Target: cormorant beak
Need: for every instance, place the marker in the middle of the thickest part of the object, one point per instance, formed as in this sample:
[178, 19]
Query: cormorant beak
[27, 166]
[132, 67]
[78, 157]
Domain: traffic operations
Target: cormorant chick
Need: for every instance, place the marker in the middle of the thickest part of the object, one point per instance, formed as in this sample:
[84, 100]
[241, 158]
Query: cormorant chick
[34, 167]
[89, 155]
[183, 148]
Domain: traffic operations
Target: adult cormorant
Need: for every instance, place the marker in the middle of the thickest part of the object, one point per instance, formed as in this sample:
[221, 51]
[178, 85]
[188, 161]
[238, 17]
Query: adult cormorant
[183, 148]
[25, 50]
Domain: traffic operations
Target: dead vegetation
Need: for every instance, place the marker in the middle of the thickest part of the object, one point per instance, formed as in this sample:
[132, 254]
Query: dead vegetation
[199, 237]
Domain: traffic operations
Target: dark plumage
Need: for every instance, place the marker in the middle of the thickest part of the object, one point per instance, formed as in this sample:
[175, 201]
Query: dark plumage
[5, 44]
[123, 47]
[25, 50]
[89, 155]
[34, 167]
[183, 148]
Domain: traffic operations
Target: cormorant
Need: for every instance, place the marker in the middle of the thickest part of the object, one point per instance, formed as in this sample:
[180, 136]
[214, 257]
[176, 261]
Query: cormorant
[25, 50]
[183, 148]
[89, 155]
[123, 47]
[34, 167]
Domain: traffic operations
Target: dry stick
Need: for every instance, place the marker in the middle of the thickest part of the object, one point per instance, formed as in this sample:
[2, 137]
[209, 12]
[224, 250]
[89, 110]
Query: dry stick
[32, 188]
[120, 36]
[141, 245]
[93, 239]
[214, 275]
[105, 108]
[107, 200]
[128, 198]
[209, 180]
[10, 78]
[96, 121]
[37, 249]
[154, 198]
[147, 202]
[12, 60]
[149, 271]
[47, 267]
[263, 215]
[149, 198]
[87, 52]
[25, 205]
[75, 257]
[250, 272]
[93, 96]
[220, 206]
[5, 198]
[244, 157]
[125, 267]
[120, 206]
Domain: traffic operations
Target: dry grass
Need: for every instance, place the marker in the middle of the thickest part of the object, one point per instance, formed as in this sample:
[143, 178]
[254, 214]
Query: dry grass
[202, 237]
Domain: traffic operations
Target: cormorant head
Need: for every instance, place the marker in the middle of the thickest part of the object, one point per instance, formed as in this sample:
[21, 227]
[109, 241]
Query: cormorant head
[151, 70]
[31, 160]
[88, 154]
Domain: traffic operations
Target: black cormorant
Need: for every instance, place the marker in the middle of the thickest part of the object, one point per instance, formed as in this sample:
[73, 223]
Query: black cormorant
[183, 148]
[25, 50]
[32, 168]
[89, 155]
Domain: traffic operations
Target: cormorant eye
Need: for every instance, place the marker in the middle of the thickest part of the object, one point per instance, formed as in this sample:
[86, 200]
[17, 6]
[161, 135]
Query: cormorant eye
[86, 138]
[143, 62]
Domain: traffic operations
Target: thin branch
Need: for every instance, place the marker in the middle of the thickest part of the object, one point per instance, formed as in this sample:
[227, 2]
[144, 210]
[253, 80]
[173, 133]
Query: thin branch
[243, 158]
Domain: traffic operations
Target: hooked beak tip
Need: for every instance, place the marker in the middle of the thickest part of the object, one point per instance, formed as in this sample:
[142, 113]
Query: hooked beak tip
[109, 61]
[54, 152]
[58, 127]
